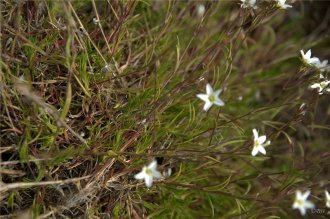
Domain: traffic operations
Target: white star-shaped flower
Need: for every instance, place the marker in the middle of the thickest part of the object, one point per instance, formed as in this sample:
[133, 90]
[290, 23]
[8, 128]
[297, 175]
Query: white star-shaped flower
[307, 59]
[148, 173]
[322, 86]
[249, 4]
[281, 4]
[211, 97]
[301, 202]
[96, 21]
[259, 143]
[322, 66]
[200, 10]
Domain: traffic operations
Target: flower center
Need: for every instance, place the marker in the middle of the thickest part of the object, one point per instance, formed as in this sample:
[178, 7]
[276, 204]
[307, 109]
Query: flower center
[323, 84]
[149, 172]
[212, 98]
[300, 202]
[256, 143]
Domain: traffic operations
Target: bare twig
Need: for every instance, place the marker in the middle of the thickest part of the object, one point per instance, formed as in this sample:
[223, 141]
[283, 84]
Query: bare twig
[21, 185]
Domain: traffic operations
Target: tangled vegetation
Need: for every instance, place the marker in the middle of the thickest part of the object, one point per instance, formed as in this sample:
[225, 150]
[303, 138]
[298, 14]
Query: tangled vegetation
[94, 91]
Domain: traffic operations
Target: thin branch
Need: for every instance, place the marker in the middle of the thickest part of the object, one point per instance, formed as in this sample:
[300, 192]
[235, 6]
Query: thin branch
[21, 185]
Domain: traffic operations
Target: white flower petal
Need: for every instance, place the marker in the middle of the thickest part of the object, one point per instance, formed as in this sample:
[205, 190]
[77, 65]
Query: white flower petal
[262, 150]
[140, 175]
[262, 139]
[203, 97]
[309, 204]
[200, 10]
[169, 172]
[314, 60]
[218, 102]
[217, 92]
[316, 85]
[254, 151]
[285, 6]
[302, 53]
[207, 106]
[302, 210]
[298, 194]
[157, 174]
[295, 205]
[248, 3]
[255, 133]
[209, 89]
[327, 195]
[281, 4]
[305, 195]
[152, 165]
[322, 65]
[148, 180]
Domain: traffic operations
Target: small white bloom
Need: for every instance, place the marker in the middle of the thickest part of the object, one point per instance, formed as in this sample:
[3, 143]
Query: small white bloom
[200, 10]
[21, 78]
[314, 61]
[249, 4]
[143, 121]
[211, 97]
[96, 21]
[301, 202]
[322, 66]
[148, 173]
[167, 173]
[259, 143]
[106, 68]
[281, 4]
[307, 59]
[322, 86]
[201, 79]
[327, 198]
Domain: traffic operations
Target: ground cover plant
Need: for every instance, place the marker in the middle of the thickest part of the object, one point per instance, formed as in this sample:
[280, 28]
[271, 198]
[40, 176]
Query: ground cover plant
[164, 109]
